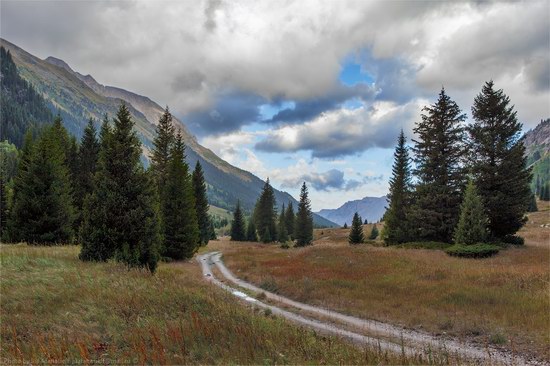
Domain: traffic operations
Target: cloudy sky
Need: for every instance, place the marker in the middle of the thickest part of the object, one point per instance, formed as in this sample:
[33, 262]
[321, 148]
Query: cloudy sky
[303, 90]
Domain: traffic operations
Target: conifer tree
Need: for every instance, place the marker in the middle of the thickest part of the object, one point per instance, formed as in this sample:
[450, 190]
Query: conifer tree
[265, 214]
[439, 156]
[366, 222]
[87, 157]
[290, 217]
[499, 162]
[162, 146]
[201, 204]
[545, 192]
[356, 233]
[282, 234]
[373, 233]
[345, 225]
[304, 220]
[212, 231]
[43, 212]
[251, 231]
[238, 232]
[397, 226]
[180, 226]
[472, 225]
[121, 215]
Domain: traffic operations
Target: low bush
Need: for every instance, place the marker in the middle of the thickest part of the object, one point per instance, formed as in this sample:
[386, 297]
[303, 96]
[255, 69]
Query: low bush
[424, 245]
[480, 250]
[513, 239]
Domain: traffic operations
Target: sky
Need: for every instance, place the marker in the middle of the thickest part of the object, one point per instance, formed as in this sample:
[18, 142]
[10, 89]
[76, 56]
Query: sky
[313, 91]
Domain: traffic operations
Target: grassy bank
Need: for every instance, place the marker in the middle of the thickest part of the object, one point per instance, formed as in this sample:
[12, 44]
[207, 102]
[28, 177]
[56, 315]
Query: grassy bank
[57, 309]
[501, 300]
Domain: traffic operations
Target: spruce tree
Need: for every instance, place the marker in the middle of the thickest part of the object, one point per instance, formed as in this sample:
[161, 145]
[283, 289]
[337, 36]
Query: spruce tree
[212, 231]
[162, 147]
[439, 157]
[345, 225]
[87, 157]
[472, 225]
[121, 215]
[265, 214]
[532, 204]
[373, 233]
[499, 162]
[397, 226]
[251, 231]
[180, 226]
[282, 234]
[43, 210]
[201, 204]
[304, 220]
[290, 217]
[356, 233]
[545, 192]
[238, 230]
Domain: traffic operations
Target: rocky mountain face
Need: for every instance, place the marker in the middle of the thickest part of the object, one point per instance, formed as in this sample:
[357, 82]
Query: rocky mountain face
[537, 149]
[78, 97]
[369, 208]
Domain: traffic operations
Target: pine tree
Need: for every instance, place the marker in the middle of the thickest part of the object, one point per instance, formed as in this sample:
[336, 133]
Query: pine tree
[472, 225]
[43, 212]
[356, 233]
[532, 204]
[397, 226]
[121, 215]
[180, 226]
[87, 157]
[290, 218]
[265, 213]
[238, 232]
[439, 156]
[162, 147]
[212, 231]
[251, 231]
[266, 236]
[366, 222]
[304, 220]
[373, 233]
[201, 203]
[345, 225]
[545, 192]
[499, 162]
[282, 234]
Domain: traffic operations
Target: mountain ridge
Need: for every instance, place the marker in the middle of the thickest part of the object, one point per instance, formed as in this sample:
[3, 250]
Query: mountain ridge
[79, 97]
[370, 208]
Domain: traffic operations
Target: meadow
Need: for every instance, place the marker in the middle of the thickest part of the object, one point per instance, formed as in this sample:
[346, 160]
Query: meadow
[56, 309]
[501, 300]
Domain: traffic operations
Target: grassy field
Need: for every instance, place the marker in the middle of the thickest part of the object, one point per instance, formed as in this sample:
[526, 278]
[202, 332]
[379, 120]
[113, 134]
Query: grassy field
[502, 300]
[56, 309]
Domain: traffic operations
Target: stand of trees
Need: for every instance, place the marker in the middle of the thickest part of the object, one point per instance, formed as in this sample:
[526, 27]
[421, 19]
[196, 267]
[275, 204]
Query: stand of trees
[448, 153]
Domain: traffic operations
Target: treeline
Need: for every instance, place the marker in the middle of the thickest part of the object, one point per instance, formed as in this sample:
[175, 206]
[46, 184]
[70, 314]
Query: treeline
[267, 225]
[469, 183]
[99, 194]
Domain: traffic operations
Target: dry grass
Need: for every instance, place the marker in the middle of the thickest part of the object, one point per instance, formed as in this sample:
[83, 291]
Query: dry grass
[56, 309]
[502, 300]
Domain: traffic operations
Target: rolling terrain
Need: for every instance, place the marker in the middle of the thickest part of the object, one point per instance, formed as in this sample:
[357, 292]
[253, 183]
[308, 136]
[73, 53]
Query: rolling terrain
[77, 98]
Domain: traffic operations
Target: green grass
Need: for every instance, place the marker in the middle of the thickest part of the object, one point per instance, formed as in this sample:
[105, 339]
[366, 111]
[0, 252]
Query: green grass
[424, 245]
[57, 309]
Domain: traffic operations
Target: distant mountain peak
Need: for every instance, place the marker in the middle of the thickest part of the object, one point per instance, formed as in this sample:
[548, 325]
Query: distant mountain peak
[369, 208]
[58, 62]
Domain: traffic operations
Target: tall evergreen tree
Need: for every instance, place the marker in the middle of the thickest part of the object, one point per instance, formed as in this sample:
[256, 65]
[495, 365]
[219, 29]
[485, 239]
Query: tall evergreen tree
[43, 212]
[304, 220]
[499, 162]
[180, 225]
[532, 204]
[282, 234]
[238, 230]
[201, 204]
[356, 235]
[121, 216]
[251, 231]
[545, 192]
[397, 226]
[290, 217]
[265, 214]
[373, 233]
[439, 156]
[86, 167]
[162, 146]
[213, 235]
[472, 225]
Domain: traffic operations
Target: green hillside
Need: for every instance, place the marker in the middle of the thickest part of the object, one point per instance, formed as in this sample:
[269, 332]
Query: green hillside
[77, 98]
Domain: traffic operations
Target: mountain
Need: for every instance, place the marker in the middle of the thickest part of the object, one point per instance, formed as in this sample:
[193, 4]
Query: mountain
[370, 208]
[537, 149]
[78, 97]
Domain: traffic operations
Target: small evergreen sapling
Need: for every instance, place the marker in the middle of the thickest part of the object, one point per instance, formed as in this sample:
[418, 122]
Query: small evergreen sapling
[472, 225]
[356, 233]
